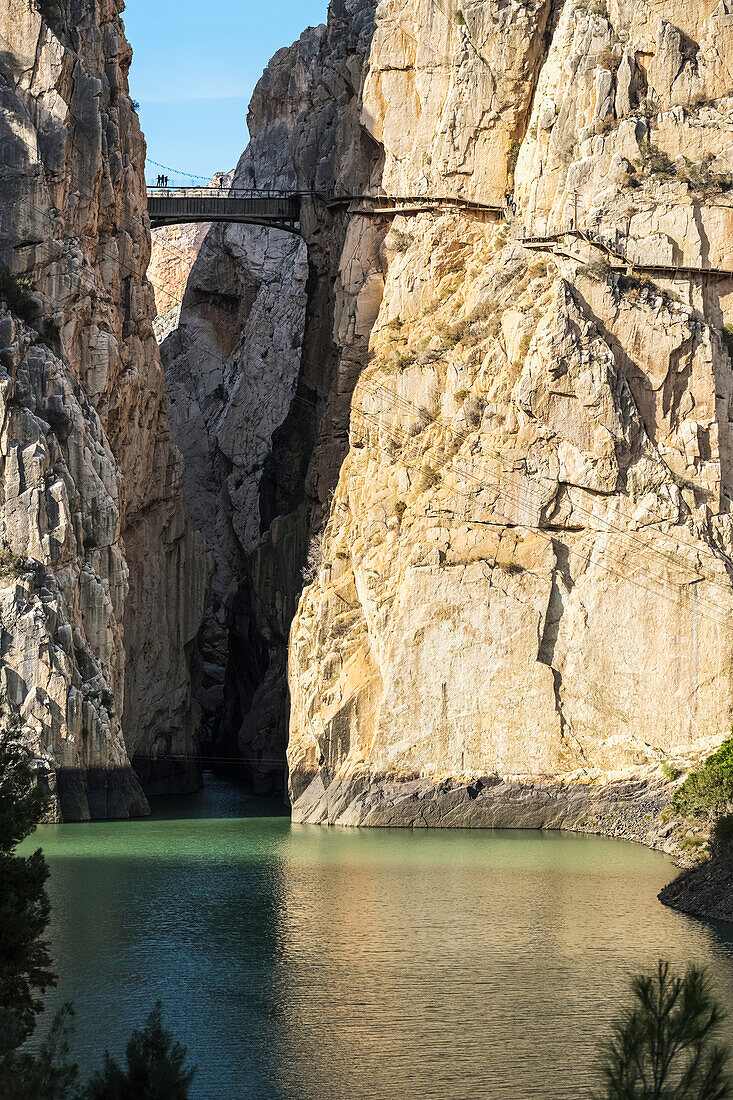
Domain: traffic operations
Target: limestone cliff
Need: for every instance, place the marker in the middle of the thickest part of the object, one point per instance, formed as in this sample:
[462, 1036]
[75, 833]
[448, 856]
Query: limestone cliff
[103, 578]
[518, 599]
[173, 254]
[524, 583]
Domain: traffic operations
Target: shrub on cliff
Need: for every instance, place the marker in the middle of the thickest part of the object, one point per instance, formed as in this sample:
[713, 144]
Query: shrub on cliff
[721, 839]
[664, 1046]
[654, 160]
[16, 290]
[708, 789]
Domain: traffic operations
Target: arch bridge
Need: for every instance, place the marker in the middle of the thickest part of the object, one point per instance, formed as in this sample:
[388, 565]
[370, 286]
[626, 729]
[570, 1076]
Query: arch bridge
[282, 209]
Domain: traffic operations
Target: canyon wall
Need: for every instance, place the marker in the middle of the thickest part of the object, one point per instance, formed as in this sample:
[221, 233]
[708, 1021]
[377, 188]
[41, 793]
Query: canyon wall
[173, 253]
[273, 334]
[103, 579]
[498, 449]
[524, 604]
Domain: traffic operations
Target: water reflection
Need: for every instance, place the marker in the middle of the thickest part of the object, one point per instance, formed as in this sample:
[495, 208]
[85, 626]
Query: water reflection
[313, 964]
[446, 959]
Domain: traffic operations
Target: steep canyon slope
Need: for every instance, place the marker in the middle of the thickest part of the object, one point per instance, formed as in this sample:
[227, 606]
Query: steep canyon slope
[103, 577]
[497, 448]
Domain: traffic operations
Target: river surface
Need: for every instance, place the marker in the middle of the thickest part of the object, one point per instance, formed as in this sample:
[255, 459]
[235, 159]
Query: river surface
[305, 963]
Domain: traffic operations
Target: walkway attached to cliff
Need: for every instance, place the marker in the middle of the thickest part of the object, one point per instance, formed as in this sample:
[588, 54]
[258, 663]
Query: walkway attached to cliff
[556, 243]
[282, 209]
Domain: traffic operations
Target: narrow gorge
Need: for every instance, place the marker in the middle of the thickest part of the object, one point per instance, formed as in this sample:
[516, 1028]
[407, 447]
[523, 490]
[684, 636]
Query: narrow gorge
[423, 510]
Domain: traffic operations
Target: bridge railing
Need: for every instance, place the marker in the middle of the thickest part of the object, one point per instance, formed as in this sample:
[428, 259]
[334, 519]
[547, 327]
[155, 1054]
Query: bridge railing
[325, 196]
[615, 248]
[223, 193]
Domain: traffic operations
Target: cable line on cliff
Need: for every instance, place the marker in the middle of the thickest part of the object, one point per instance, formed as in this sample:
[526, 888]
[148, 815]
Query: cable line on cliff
[594, 517]
[486, 479]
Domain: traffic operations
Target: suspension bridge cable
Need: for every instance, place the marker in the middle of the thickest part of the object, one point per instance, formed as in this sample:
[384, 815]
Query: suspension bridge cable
[177, 172]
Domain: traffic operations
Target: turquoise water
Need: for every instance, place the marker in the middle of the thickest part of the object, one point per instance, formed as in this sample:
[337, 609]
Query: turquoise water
[306, 963]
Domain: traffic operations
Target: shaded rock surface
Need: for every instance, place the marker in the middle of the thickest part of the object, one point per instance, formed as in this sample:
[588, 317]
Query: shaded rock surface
[102, 597]
[705, 891]
[272, 335]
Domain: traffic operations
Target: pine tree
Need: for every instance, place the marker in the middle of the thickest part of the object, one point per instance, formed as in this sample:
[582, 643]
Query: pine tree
[156, 1067]
[25, 962]
[49, 1074]
[663, 1047]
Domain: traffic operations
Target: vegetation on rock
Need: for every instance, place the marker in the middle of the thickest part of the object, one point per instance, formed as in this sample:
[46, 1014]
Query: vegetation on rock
[25, 961]
[708, 789]
[721, 838]
[16, 290]
[11, 565]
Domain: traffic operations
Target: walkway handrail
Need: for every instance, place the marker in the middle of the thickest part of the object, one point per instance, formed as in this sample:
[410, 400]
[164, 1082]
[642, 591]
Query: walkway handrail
[325, 196]
[593, 238]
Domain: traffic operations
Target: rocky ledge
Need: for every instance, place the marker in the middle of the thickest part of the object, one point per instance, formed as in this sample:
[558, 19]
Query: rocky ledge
[705, 891]
[628, 809]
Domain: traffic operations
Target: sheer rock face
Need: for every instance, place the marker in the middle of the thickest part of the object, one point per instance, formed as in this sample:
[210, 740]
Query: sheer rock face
[447, 98]
[173, 254]
[102, 602]
[511, 546]
[523, 577]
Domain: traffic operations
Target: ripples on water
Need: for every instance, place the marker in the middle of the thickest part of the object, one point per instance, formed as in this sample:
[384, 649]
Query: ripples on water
[306, 963]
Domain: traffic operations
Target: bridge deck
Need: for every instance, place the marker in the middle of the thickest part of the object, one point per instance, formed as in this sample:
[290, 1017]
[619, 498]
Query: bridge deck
[280, 209]
[179, 206]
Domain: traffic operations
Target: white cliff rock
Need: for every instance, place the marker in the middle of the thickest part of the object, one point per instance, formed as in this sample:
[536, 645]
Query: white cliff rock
[99, 622]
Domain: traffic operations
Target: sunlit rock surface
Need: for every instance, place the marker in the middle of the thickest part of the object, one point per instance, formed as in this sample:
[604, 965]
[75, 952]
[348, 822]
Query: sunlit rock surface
[173, 254]
[102, 599]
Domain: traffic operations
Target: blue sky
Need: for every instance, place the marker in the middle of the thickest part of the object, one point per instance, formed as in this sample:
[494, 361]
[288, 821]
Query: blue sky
[194, 69]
